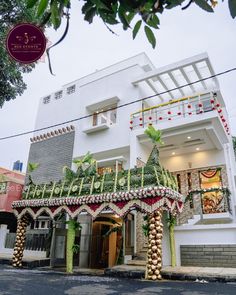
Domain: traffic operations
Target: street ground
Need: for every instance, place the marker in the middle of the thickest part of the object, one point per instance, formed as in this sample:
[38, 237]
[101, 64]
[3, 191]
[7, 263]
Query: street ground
[35, 282]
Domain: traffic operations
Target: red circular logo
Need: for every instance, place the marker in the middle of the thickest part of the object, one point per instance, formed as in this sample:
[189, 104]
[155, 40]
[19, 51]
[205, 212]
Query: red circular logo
[26, 43]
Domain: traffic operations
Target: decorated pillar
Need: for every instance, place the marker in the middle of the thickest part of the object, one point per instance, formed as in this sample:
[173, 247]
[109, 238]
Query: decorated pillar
[154, 254]
[20, 241]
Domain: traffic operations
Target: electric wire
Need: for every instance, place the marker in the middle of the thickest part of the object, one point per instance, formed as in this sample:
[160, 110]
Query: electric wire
[120, 106]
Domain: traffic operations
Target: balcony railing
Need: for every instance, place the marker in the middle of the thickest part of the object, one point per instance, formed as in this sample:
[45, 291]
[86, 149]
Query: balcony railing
[178, 109]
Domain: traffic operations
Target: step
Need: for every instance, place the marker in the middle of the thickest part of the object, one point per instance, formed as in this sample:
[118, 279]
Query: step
[137, 262]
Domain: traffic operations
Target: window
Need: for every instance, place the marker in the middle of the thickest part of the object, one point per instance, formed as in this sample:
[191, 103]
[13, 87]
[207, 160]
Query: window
[3, 187]
[210, 179]
[105, 116]
[179, 182]
[109, 169]
[70, 89]
[46, 99]
[58, 95]
[213, 199]
[189, 177]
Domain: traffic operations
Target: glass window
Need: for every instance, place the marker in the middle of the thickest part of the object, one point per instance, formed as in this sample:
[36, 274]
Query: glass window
[46, 99]
[70, 89]
[58, 95]
[3, 187]
[113, 116]
[212, 200]
[210, 179]
[109, 169]
[105, 116]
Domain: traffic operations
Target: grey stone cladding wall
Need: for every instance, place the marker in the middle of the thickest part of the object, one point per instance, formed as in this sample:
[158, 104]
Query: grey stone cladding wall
[208, 255]
[52, 154]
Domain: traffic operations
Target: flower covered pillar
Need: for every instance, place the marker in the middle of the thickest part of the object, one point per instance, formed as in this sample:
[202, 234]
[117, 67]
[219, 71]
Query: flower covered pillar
[154, 254]
[20, 241]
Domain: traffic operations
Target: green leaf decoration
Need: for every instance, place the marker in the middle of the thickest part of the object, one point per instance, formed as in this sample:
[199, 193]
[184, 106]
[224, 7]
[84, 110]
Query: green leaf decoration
[136, 28]
[32, 167]
[150, 36]
[232, 8]
[122, 181]
[42, 7]
[31, 3]
[204, 5]
[57, 190]
[154, 134]
[97, 184]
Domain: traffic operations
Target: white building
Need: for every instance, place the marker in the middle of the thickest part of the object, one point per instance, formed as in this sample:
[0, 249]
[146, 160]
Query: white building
[109, 111]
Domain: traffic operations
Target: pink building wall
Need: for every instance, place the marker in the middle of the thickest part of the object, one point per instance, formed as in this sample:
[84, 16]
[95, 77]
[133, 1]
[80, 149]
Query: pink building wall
[15, 183]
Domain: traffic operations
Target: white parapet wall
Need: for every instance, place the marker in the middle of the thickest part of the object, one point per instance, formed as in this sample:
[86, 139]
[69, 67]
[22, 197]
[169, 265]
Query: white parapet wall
[3, 233]
[212, 234]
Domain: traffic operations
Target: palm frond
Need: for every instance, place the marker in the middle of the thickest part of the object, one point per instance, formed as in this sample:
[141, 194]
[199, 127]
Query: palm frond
[69, 174]
[154, 134]
[32, 167]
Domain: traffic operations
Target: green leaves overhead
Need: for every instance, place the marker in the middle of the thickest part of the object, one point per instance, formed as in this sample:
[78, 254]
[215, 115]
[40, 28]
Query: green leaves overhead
[42, 6]
[232, 8]
[150, 36]
[121, 12]
[204, 5]
[31, 3]
[136, 28]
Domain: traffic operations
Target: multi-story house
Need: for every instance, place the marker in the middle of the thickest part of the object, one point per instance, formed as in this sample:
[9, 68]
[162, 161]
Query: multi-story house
[107, 113]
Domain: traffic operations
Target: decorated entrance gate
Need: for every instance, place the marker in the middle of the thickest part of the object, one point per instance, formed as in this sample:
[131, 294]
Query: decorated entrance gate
[150, 189]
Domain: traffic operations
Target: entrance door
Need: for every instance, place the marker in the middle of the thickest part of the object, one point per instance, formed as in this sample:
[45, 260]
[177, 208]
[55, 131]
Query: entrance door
[99, 246]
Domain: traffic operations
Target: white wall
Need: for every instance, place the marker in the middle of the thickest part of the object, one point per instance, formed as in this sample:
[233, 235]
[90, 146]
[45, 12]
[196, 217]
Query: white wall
[115, 80]
[198, 160]
[204, 235]
[3, 234]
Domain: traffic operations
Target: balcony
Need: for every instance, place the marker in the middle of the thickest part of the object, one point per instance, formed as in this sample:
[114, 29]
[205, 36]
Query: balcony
[186, 109]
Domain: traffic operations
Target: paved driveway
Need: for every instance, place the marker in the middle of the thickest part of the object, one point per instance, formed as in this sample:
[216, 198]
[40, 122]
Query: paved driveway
[33, 282]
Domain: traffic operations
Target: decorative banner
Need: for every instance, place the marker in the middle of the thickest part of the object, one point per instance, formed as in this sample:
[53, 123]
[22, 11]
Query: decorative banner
[146, 200]
[26, 43]
[209, 173]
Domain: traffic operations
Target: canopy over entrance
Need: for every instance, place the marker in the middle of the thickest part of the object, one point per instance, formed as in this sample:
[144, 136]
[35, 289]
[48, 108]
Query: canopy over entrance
[149, 189]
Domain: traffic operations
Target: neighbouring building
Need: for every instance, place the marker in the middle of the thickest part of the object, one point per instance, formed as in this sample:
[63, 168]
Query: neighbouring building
[109, 111]
[11, 186]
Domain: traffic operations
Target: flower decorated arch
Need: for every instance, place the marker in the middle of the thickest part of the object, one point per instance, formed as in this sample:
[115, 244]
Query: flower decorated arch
[150, 189]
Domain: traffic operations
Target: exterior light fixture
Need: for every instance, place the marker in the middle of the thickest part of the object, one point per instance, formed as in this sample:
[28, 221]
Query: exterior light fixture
[189, 137]
[197, 149]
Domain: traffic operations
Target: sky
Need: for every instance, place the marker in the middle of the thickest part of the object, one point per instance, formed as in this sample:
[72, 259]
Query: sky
[88, 48]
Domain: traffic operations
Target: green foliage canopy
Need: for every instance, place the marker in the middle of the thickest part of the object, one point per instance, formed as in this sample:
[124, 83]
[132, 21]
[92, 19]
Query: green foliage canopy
[122, 11]
[12, 12]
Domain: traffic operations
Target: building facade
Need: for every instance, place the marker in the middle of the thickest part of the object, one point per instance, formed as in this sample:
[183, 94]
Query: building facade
[107, 113]
[11, 186]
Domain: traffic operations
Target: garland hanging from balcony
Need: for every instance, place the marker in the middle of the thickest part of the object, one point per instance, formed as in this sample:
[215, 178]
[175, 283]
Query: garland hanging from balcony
[215, 105]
